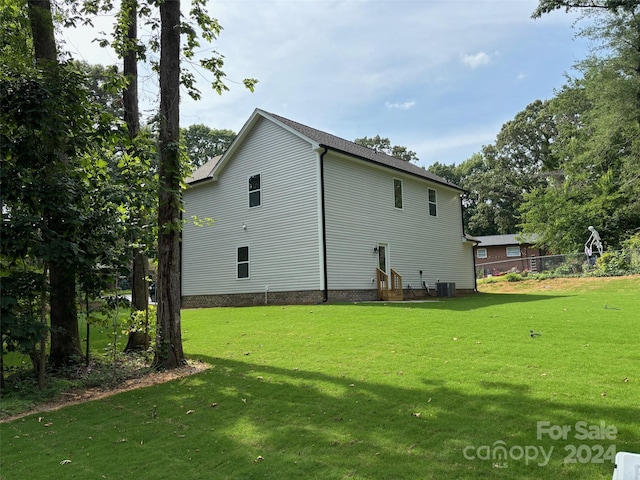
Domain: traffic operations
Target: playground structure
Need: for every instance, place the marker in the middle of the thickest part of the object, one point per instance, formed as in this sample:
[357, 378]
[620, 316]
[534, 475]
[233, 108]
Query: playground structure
[593, 240]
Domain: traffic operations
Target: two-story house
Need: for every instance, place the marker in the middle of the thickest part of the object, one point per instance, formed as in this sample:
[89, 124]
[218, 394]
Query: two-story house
[302, 216]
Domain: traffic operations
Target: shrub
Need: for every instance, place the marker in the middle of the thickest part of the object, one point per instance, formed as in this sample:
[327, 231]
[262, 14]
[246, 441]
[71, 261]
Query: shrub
[631, 247]
[612, 263]
[513, 277]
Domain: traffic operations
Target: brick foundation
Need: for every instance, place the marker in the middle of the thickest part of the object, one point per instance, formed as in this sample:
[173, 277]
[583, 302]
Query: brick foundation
[307, 297]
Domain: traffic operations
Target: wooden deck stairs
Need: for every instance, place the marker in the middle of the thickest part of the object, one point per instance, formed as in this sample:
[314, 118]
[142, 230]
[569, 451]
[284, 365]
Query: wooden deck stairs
[389, 288]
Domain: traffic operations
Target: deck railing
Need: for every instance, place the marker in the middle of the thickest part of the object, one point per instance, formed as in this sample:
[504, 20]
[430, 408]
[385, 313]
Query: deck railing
[389, 289]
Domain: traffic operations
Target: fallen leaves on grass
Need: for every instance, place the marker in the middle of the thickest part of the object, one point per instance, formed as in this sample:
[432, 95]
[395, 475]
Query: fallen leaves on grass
[147, 380]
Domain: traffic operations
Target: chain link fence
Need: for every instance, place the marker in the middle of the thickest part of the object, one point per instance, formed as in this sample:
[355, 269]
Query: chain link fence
[619, 262]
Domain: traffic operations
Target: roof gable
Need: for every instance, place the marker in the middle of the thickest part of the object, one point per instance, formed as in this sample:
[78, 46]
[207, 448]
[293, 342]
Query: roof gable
[316, 139]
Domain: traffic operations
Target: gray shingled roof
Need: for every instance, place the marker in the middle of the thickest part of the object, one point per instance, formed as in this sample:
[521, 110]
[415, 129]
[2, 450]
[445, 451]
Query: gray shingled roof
[334, 143]
[345, 146]
[203, 172]
[510, 239]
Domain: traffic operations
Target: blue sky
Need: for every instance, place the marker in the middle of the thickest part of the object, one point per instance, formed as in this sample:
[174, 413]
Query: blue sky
[438, 76]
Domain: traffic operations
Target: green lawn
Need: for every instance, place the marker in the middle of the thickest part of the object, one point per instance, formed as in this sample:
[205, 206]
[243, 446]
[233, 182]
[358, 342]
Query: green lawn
[376, 391]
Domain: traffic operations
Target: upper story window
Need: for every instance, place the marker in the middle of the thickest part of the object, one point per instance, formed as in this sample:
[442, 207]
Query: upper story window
[433, 203]
[397, 193]
[481, 253]
[513, 251]
[255, 191]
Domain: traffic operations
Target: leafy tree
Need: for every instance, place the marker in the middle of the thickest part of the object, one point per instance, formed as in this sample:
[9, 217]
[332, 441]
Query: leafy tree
[202, 143]
[595, 183]
[615, 6]
[51, 183]
[103, 84]
[383, 145]
[497, 177]
[68, 164]
[598, 118]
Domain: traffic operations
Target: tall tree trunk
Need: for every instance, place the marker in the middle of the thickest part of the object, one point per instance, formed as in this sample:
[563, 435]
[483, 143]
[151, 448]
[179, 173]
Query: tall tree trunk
[44, 42]
[138, 340]
[65, 334]
[130, 66]
[139, 287]
[65, 337]
[42, 359]
[169, 353]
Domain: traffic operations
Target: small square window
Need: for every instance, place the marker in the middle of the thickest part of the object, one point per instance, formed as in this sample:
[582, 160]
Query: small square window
[481, 253]
[242, 262]
[397, 193]
[255, 197]
[433, 204]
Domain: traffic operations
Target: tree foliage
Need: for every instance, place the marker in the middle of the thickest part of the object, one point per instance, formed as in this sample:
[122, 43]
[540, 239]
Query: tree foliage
[203, 143]
[574, 160]
[383, 145]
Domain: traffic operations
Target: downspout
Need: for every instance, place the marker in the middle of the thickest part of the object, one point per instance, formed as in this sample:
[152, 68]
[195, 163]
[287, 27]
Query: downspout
[325, 293]
[473, 257]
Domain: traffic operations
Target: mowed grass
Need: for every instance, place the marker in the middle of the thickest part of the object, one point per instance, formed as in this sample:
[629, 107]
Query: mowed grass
[370, 391]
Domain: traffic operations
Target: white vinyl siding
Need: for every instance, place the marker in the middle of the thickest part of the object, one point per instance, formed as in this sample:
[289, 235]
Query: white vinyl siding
[359, 218]
[282, 233]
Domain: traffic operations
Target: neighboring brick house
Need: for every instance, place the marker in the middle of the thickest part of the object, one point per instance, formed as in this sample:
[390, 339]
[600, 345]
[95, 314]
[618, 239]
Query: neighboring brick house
[498, 254]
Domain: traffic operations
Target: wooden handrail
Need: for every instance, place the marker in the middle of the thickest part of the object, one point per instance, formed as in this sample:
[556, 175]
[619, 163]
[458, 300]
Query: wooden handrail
[389, 290]
[383, 284]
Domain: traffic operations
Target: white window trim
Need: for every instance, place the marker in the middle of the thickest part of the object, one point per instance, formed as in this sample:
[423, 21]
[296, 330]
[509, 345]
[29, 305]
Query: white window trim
[429, 202]
[512, 249]
[401, 207]
[248, 262]
[481, 249]
[259, 174]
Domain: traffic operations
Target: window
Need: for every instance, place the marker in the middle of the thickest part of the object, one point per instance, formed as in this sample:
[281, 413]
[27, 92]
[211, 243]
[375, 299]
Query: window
[513, 251]
[397, 193]
[254, 191]
[433, 205]
[243, 262]
[481, 253]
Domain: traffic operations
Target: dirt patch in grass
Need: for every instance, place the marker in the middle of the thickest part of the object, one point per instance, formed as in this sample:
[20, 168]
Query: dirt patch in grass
[550, 284]
[146, 380]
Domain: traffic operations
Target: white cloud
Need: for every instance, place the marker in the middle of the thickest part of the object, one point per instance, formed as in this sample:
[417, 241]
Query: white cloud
[401, 106]
[477, 60]
[521, 76]
[350, 67]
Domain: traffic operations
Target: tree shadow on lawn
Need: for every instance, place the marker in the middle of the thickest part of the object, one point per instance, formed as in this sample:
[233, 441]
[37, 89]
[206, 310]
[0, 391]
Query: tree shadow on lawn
[247, 420]
[468, 302]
